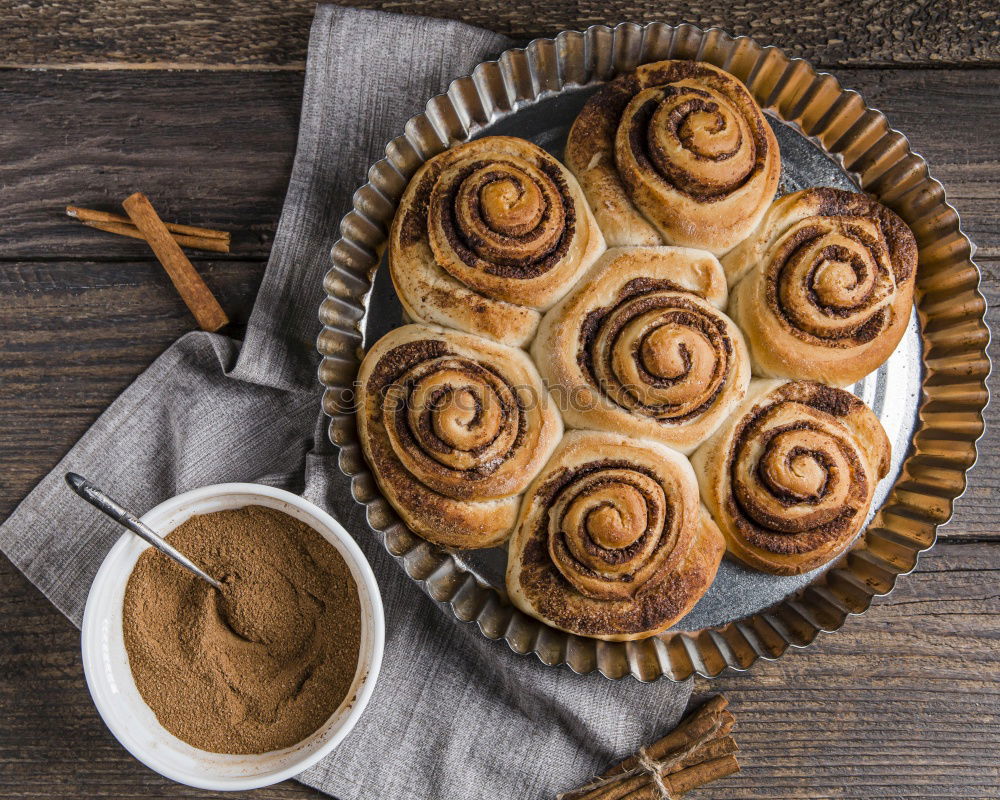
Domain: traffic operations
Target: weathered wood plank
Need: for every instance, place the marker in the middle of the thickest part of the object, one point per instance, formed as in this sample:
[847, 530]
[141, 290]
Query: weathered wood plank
[216, 149]
[228, 168]
[273, 33]
[73, 335]
[208, 149]
[903, 702]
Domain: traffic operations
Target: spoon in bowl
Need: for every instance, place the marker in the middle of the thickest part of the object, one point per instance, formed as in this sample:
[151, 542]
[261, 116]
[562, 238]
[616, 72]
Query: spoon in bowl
[126, 518]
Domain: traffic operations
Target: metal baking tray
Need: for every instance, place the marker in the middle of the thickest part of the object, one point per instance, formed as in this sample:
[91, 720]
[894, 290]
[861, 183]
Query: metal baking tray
[929, 396]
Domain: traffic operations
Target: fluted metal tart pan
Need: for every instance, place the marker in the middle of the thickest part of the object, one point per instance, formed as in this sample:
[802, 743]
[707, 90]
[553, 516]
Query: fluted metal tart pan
[930, 395]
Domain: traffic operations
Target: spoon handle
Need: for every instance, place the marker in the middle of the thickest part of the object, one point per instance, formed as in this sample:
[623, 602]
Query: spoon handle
[126, 518]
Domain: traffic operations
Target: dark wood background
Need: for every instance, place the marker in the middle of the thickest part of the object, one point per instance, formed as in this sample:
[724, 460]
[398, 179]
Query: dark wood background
[197, 103]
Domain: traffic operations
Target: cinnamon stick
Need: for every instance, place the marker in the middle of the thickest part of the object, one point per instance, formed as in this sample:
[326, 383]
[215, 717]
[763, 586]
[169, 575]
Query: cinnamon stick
[688, 779]
[194, 242]
[714, 748]
[697, 751]
[694, 725]
[192, 288]
[91, 215]
[615, 791]
[700, 774]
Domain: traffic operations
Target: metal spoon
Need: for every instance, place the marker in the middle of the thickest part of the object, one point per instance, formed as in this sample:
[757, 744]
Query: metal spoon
[122, 516]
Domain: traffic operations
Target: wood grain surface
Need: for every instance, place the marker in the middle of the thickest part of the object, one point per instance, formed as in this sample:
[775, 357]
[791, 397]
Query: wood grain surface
[215, 149]
[900, 703]
[903, 702]
[228, 168]
[267, 34]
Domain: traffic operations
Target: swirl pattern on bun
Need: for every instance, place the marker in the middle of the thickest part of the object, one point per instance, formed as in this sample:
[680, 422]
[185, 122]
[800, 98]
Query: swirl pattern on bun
[640, 347]
[612, 541]
[489, 234]
[790, 477]
[824, 287]
[454, 427]
[676, 152]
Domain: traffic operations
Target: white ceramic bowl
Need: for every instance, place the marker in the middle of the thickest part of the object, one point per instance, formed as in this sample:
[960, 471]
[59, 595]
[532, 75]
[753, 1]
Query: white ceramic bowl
[133, 723]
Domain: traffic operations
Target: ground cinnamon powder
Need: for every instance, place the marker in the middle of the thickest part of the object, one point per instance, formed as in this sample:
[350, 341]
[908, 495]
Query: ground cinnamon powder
[262, 664]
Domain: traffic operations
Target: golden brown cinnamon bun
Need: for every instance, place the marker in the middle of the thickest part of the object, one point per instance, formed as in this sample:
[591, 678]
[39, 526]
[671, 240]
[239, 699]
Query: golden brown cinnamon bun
[677, 152]
[612, 541]
[824, 287]
[789, 478]
[487, 235]
[640, 347]
[454, 428]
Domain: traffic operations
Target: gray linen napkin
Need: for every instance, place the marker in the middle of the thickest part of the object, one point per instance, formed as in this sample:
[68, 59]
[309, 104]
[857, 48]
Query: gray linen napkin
[453, 715]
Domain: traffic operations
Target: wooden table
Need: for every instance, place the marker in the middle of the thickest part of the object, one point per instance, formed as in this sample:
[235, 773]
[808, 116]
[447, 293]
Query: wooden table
[903, 702]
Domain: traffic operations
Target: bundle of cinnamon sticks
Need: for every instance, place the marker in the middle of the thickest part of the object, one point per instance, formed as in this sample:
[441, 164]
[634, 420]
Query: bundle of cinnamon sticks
[696, 752]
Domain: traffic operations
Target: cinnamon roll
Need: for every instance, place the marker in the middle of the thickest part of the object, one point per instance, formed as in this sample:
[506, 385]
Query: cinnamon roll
[677, 152]
[487, 235]
[790, 477]
[612, 541]
[824, 287]
[640, 347]
[454, 428]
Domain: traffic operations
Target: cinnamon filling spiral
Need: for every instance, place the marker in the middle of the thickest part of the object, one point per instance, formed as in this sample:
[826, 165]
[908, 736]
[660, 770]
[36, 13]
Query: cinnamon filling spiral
[505, 217]
[660, 354]
[612, 529]
[695, 138]
[830, 278]
[454, 423]
[797, 478]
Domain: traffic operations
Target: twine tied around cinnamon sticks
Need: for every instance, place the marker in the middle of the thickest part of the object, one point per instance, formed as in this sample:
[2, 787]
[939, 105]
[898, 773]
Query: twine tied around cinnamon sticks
[697, 751]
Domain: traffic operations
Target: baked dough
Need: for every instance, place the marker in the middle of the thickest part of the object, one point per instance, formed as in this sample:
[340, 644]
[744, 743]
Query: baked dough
[489, 234]
[454, 427]
[640, 347]
[789, 478]
[676, 152]
[824, 287]
[612, 541]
